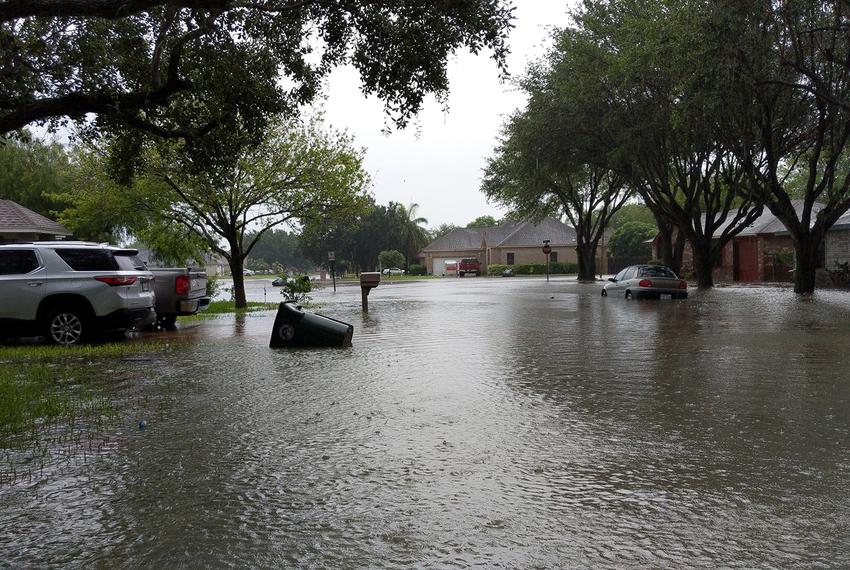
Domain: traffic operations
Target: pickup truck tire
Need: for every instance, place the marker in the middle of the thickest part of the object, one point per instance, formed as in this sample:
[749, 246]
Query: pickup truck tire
[67, 325]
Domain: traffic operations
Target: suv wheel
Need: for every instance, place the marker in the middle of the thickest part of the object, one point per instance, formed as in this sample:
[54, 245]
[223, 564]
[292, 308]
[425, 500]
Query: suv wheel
[66, 326]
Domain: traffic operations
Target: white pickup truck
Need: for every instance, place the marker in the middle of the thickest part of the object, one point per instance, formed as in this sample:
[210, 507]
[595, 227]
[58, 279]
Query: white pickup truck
[180, 291]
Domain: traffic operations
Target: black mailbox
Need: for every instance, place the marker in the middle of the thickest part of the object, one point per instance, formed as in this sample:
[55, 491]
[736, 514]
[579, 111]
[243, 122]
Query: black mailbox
[368, 281]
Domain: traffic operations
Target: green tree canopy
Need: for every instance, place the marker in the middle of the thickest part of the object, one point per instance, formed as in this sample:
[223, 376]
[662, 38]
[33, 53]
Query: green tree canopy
[279, 247]
[215, 72]
[483, 222]
[629, 240]
[33, 172]
[441, 230]
[300, 172]
[414, 236]
[555, 157]
[632, 212]
[391, 258]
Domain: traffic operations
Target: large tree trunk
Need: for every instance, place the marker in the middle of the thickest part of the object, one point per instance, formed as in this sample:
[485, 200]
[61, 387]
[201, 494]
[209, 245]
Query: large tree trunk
[678, 253]
[237, 271]
[586, 262]
[806, 249]
[704, 259]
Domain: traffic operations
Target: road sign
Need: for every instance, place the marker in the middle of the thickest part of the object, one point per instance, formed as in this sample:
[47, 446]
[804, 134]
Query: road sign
[331, 256]
[547, 249]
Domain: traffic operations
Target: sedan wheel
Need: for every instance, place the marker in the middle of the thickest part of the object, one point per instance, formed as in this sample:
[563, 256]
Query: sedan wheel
[629, 295]
[65, 327]
[604, 293]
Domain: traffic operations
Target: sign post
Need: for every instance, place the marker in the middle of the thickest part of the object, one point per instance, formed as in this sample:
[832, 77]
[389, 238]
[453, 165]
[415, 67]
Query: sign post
[332, 258]
[547, 250]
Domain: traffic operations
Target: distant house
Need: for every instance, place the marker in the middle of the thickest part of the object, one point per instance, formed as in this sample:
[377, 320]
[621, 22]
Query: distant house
[214, 264]
[19, 224]
[513, 243]
[764, 250]
[837, 247]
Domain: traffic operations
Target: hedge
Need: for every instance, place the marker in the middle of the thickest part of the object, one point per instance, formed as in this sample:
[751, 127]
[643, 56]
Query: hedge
[557, 268]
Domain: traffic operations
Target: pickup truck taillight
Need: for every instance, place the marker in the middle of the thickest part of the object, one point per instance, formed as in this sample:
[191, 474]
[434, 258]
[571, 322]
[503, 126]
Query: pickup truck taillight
[181, 285]
[116, 280]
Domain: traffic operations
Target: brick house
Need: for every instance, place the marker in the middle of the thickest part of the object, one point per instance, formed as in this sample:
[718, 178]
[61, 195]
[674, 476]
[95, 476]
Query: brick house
[513, 243]
[19, 224]
[764, 251]
[837, 246]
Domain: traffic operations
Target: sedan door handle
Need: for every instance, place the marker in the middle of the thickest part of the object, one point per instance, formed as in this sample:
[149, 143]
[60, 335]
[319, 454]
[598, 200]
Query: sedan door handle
[35, 283]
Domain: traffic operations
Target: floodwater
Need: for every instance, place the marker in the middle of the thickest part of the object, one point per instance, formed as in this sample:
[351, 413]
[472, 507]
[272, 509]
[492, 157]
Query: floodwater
[495, 422]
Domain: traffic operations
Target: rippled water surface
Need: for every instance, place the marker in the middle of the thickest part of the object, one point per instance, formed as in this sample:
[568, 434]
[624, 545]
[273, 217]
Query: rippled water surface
[495, 422]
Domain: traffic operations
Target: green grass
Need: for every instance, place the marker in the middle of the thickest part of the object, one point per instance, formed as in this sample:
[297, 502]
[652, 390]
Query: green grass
[219, 308]
[42, 353]
[53, 396]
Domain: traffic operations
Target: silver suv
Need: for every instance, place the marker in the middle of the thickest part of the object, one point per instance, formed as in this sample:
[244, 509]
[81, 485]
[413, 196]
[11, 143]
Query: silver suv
[68, 291]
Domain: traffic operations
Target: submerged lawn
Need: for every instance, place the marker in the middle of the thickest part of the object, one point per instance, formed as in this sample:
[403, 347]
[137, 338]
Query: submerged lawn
[53, 396]
[218, 308]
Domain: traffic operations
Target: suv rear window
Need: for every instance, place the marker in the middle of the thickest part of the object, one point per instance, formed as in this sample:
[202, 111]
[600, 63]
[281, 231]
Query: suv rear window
[17, 261]
[130, 262]
[88, 259]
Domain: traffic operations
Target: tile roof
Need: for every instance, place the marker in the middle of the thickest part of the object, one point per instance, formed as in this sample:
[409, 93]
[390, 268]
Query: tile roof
[15, 219]
[511, 234]
[529, 234]
[767, 223]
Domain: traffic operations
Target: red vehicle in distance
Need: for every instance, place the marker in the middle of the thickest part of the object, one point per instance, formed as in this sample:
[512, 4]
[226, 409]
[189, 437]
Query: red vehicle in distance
[468, 265]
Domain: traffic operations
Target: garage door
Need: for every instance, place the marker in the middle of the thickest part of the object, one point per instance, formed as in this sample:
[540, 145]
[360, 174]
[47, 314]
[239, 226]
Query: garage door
[440, 264]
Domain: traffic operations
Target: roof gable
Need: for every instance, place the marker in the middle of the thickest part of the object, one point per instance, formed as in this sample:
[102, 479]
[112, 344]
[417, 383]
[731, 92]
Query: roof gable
[511, 234]
[15, 219]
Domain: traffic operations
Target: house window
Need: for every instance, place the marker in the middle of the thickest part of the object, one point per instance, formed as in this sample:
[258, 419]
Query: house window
[553, 257]
[510, 259]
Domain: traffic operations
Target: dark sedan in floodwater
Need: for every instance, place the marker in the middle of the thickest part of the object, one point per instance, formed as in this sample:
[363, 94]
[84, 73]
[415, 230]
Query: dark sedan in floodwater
[646, 282]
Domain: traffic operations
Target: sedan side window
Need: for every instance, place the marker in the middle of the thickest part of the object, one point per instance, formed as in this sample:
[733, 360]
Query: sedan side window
[17, 262]
[630, 273]
[621, 274]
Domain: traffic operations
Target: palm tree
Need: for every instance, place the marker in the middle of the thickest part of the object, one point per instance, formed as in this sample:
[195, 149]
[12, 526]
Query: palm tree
[414, 236]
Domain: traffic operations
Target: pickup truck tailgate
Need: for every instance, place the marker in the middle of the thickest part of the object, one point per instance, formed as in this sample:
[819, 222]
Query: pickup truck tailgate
[197, 284]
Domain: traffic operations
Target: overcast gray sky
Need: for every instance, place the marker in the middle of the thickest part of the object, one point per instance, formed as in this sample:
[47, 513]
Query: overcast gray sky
[437, 161]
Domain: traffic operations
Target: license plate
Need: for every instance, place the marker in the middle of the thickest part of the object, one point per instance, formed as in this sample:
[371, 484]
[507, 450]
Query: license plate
[666, 296]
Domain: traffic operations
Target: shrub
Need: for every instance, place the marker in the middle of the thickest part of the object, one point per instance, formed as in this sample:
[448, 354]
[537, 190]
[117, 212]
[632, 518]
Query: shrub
[391, 258]
[563, 268]
[840, 276]
[496, 268]
[213, 286]
[530, 269]
[296, 288]
[416, 269]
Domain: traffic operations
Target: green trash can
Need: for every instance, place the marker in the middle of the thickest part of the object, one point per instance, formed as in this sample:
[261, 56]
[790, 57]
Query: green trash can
[295, 327]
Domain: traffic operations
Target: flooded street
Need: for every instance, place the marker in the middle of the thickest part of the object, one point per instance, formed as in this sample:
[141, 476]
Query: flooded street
[497, 422]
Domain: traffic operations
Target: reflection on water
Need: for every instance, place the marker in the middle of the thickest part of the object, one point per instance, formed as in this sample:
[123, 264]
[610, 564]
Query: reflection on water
[498, 422]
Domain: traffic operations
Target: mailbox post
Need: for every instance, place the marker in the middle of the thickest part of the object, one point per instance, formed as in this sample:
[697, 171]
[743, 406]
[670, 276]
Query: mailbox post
[368, 281]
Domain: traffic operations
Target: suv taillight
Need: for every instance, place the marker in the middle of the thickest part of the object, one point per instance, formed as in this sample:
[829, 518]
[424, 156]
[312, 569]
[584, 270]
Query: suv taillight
[181, 285]
[645, 283]
[117, 280]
